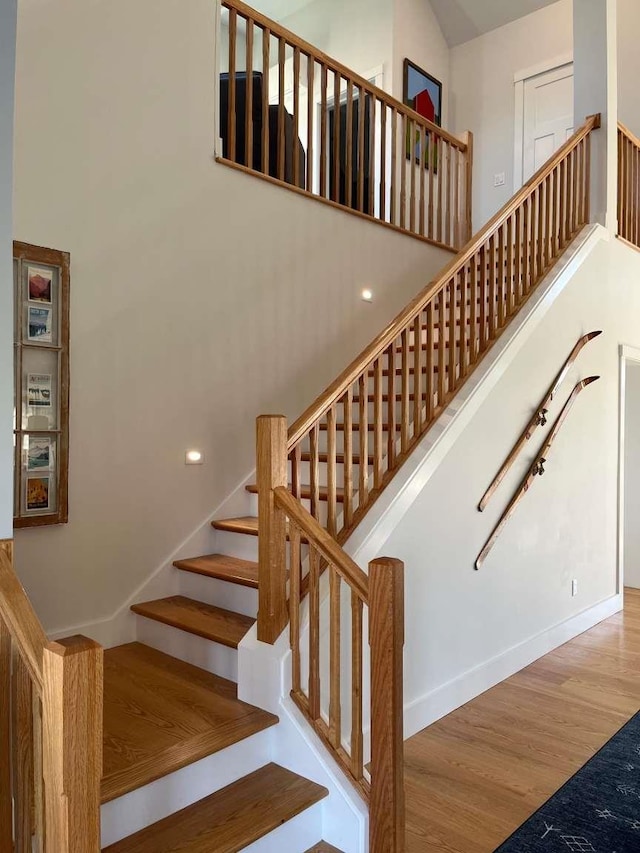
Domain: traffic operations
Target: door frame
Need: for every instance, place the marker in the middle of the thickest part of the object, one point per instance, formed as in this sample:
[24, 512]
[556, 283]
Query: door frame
[626, 354]
[519, 80]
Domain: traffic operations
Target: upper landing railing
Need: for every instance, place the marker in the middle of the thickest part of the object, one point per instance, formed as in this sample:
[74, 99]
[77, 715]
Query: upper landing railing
[310, 123]
[628, 186]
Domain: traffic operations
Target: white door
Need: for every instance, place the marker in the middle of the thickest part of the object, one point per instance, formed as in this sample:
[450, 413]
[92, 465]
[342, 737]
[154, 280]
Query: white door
[548, 116]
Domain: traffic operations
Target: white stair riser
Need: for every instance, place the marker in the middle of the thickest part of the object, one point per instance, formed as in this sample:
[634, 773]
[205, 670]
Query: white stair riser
[230, 596]
[213, 657]
[295, 836]
[144, 806]
[237, 544]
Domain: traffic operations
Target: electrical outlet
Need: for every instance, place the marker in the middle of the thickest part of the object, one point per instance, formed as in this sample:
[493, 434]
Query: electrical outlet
[499, 180]
[574, 587]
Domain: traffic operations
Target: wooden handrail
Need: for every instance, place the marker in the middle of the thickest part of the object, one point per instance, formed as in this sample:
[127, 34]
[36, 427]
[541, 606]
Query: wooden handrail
[20, 618]
[300, 428]
[333, 65]
[326, 545]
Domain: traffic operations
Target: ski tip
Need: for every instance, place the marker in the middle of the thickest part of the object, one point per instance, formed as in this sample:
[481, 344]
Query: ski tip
[593, 335]
[589, 380]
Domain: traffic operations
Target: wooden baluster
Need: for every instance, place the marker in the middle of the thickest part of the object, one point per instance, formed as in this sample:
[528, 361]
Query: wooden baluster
[248, 117]
[403, 174]
[587, 178]
[394, 164]
[232, 118]
[453, 290]
[349, 145]
[266, 63]
[377, 424]
[432, 158]
[473, 313]
[282, 137]
[417, 376]
[518, 249]
[581, 183]
[348, 457]
[620, 181]
[335, 703]
[468, 136]
[541, 234]
[314, 634]
[371, 171]
[323, 130]
[311, 103]
[551, 216]
[464, 360]
[314, 471]
[6, 834]
[412, 166]
[484, 322]
[383, 162]
[72, 710]
[331, 471]
[296, 464]
[362, 105]
[564, 202]
[493, 289]
[423, 179]
[22, 733]
[38, 780]
[296, 116]
[271, 455]
[357, 761]
[512, 280]
[501, 289]
[404, 390]
[442, 344]
[386, 638]
[391, 407]
[430, 382]
[439, 166]
[295, 581]
[450, 208]
[337, 87]
[456, 204]
[625, 172]
[526, 247]
[363, 439]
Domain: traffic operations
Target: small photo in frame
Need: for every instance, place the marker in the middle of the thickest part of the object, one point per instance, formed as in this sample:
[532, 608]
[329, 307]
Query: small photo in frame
[39, 390]
[38, 493]
[423, 93]
[39, 454]
[39, 325]
[40, 282]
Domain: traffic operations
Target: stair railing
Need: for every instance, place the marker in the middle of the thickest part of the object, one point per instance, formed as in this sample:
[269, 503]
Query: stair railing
[328, 674]
[373, 155]
[50, 731]
[628, 186]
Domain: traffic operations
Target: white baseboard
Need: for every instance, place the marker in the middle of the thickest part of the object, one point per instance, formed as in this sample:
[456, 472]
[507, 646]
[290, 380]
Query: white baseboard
[427, 709]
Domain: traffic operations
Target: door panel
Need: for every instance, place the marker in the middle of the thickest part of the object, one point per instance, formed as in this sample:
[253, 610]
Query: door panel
[548, 116]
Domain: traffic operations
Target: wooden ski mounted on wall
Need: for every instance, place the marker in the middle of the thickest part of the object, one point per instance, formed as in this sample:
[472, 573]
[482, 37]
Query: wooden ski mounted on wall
[539, 418]
[537, 469]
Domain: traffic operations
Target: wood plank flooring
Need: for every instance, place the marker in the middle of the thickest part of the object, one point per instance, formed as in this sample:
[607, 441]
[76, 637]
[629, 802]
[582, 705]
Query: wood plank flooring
[475, 776]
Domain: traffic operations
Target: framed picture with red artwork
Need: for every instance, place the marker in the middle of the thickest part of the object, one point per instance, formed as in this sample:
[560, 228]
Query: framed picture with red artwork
[423, 93]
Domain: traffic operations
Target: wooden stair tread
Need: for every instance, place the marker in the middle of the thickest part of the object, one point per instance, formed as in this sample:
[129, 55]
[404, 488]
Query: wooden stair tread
[223, 567]
[323, 847]
[161, 714]
[305, 492]
[248, 525]
[232, 818]
[196, 617]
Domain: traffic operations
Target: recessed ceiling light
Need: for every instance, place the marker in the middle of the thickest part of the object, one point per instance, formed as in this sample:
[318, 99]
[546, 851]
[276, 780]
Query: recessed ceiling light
[194, 457]
[367, 295]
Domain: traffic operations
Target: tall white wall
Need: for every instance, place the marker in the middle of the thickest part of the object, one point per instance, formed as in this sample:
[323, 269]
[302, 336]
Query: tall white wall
[565, 528]
[7, 77]
[629, 64]
[632, 475]
[483, 97]
[200, 297]
[417, 36]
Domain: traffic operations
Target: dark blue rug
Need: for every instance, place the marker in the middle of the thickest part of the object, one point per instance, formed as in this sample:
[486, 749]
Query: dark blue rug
[597, 811]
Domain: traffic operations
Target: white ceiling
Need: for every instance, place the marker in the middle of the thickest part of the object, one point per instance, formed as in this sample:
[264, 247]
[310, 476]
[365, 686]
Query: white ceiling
[462, 20]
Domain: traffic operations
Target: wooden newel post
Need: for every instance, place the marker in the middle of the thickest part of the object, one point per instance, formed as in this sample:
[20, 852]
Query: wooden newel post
[467, 137]
[271, 454]
[386, 639]
[72, 744]
[6, 834]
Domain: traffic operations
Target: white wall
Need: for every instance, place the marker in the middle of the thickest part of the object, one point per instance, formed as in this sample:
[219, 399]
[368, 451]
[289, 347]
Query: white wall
[358, 33]
[200, 297]
[7, 75]
[629, 64]
[566, 525]
[632, 475]
[417, 36]
[482, 95]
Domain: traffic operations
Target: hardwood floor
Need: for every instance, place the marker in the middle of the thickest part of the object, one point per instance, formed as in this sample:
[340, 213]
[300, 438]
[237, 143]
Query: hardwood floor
[475, 776]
